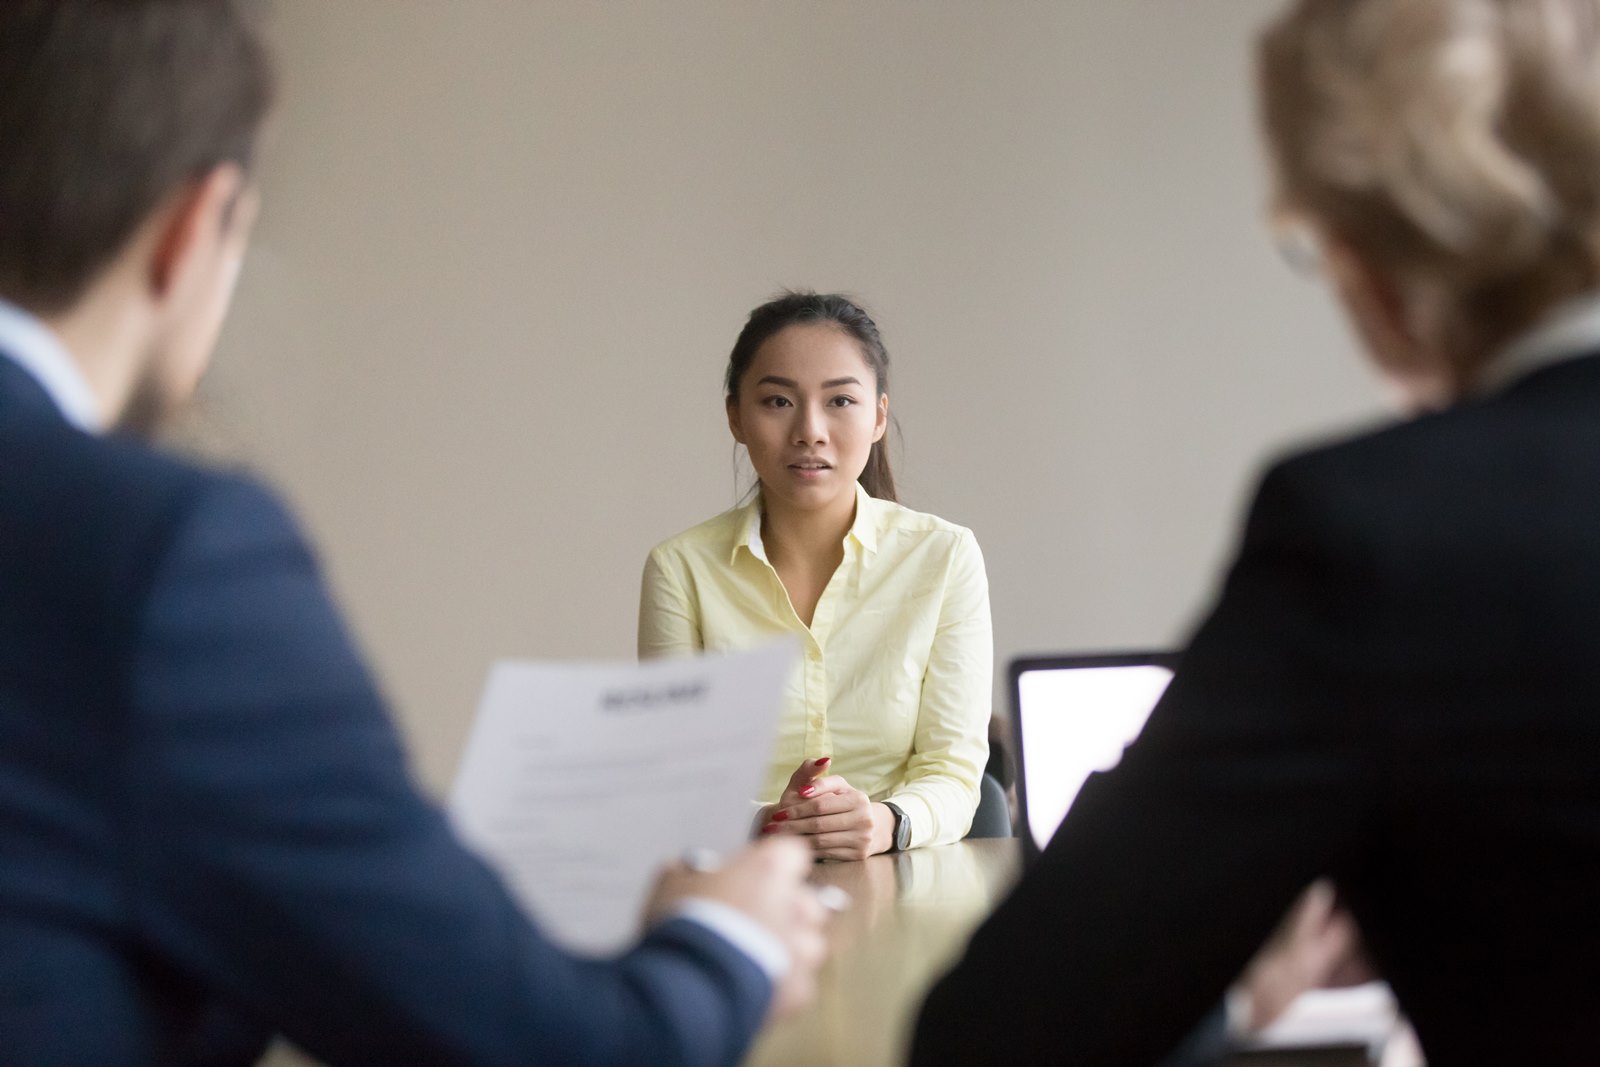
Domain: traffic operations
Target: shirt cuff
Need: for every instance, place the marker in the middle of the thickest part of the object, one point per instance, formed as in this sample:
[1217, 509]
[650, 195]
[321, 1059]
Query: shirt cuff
[739, 930]
[1236, 1009]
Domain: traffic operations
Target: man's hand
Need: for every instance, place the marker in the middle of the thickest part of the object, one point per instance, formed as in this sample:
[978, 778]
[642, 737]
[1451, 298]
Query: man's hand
[768, 883]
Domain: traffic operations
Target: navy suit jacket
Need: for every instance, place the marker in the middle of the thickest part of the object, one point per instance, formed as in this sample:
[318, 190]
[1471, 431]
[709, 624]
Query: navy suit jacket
[1399, 687]
[208, 831]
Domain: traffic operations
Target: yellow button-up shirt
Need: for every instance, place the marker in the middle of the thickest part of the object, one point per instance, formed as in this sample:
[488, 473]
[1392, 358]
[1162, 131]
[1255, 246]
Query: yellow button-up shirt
[898, 662]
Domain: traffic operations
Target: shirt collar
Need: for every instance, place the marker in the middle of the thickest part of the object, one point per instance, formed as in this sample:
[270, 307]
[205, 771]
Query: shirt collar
[1570, 330]
[32, 346]
[749, 532]
[864, 528]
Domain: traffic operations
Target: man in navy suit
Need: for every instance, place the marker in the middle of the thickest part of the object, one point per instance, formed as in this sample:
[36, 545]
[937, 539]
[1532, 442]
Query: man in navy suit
[208, 831]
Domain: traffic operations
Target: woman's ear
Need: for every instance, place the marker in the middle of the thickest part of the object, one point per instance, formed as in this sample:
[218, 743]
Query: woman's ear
[735, 426]
[881, 427]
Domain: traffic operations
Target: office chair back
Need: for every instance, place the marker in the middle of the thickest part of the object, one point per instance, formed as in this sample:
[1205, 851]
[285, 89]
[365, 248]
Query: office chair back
[993, 818]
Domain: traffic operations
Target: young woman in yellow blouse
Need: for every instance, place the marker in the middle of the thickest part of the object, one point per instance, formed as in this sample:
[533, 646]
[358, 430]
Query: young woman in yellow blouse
[882, 741]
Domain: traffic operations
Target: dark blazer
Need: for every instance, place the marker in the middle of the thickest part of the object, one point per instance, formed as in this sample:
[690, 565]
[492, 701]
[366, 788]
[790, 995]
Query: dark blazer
[207, 828]
[1399, 687]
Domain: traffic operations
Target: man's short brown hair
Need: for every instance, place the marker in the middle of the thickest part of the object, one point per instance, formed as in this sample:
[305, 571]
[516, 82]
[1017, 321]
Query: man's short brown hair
[106, 108]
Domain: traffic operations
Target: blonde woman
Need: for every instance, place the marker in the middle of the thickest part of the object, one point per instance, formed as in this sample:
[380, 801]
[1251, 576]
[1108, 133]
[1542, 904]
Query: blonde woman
[1399, 688]
[883, 738]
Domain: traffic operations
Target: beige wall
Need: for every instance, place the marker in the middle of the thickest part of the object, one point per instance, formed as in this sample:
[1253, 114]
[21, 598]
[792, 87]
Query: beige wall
[508, 243]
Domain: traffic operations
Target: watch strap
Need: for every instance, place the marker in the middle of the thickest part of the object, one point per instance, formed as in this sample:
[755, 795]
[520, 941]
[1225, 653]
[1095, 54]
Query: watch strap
[902, 828]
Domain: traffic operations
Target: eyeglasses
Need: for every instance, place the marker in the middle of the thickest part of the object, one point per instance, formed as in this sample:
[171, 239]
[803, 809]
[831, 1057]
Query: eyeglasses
[1300, 245]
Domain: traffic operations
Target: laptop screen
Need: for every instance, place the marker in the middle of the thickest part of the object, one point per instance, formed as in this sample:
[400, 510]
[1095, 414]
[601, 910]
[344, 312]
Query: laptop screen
[1073, 716]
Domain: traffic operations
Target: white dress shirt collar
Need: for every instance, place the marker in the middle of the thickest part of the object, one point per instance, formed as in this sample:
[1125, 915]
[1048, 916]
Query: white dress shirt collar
[32, 346]
[1570, 330]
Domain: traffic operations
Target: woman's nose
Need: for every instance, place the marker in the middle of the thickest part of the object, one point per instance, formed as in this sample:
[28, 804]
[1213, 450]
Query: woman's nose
[810, 427]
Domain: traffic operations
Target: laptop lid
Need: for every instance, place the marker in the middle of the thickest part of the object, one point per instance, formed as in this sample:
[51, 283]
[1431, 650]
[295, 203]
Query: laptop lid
[1073, 715]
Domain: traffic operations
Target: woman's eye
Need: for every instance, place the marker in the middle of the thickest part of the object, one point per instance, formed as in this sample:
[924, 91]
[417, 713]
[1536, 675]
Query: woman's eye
[776, 401]
[842, 401]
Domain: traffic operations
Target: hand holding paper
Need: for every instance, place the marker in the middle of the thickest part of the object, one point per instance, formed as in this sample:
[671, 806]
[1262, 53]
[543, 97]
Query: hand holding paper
[768, 883]
[580, 780]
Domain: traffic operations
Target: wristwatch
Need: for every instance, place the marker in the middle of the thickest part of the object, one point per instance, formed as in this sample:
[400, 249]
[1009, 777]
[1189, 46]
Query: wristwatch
[902, 828]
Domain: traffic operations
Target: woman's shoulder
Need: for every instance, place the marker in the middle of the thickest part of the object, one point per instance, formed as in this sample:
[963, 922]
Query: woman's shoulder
[897, 519]
[714, 537]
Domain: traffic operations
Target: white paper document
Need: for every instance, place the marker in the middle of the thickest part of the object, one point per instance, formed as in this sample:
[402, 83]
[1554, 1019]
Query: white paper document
[580, 779]
[1363, 1015]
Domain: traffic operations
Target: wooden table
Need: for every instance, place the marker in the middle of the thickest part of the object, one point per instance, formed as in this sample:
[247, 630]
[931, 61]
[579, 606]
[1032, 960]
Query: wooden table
[912, 914]
[911, 917]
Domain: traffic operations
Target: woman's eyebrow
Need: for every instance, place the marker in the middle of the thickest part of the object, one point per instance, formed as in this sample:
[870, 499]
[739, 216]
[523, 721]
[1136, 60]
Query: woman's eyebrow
[790, 383]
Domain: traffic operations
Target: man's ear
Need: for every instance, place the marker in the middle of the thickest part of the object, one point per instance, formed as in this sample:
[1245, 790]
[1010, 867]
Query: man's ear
[735, 425]
[192, 226]
[882, 425]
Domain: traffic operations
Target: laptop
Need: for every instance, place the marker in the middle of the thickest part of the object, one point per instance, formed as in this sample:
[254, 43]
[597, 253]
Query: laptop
[1073, 715]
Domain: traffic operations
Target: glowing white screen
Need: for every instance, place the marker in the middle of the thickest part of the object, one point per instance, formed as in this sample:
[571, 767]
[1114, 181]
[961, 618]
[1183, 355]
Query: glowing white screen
[1075, 721]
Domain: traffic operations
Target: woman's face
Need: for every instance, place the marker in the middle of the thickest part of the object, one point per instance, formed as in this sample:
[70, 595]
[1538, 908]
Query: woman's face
[808, 410]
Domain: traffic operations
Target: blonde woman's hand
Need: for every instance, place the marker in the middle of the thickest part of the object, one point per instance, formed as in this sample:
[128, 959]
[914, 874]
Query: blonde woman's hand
[1316, 945]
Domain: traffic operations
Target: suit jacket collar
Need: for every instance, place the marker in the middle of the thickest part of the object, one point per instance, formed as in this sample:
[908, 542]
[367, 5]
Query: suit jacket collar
[35, 349]
[1568, 331]
[1579, 372]
[21, 395]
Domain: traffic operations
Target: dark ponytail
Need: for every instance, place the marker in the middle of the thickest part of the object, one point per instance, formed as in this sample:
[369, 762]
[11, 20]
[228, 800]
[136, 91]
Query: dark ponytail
[829, 309]
[876, 477]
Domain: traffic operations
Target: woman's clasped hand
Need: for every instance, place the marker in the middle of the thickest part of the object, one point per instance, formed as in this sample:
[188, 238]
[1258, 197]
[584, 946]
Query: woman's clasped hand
[837, 819]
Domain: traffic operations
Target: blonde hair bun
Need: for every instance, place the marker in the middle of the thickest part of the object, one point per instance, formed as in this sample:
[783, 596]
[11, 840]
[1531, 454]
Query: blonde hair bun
[1454, 141]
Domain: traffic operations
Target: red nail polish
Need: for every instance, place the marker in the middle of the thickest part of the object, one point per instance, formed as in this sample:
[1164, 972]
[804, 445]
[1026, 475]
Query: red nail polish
[779, 816]
[769, 829]
[808, 790]
[824, 761]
